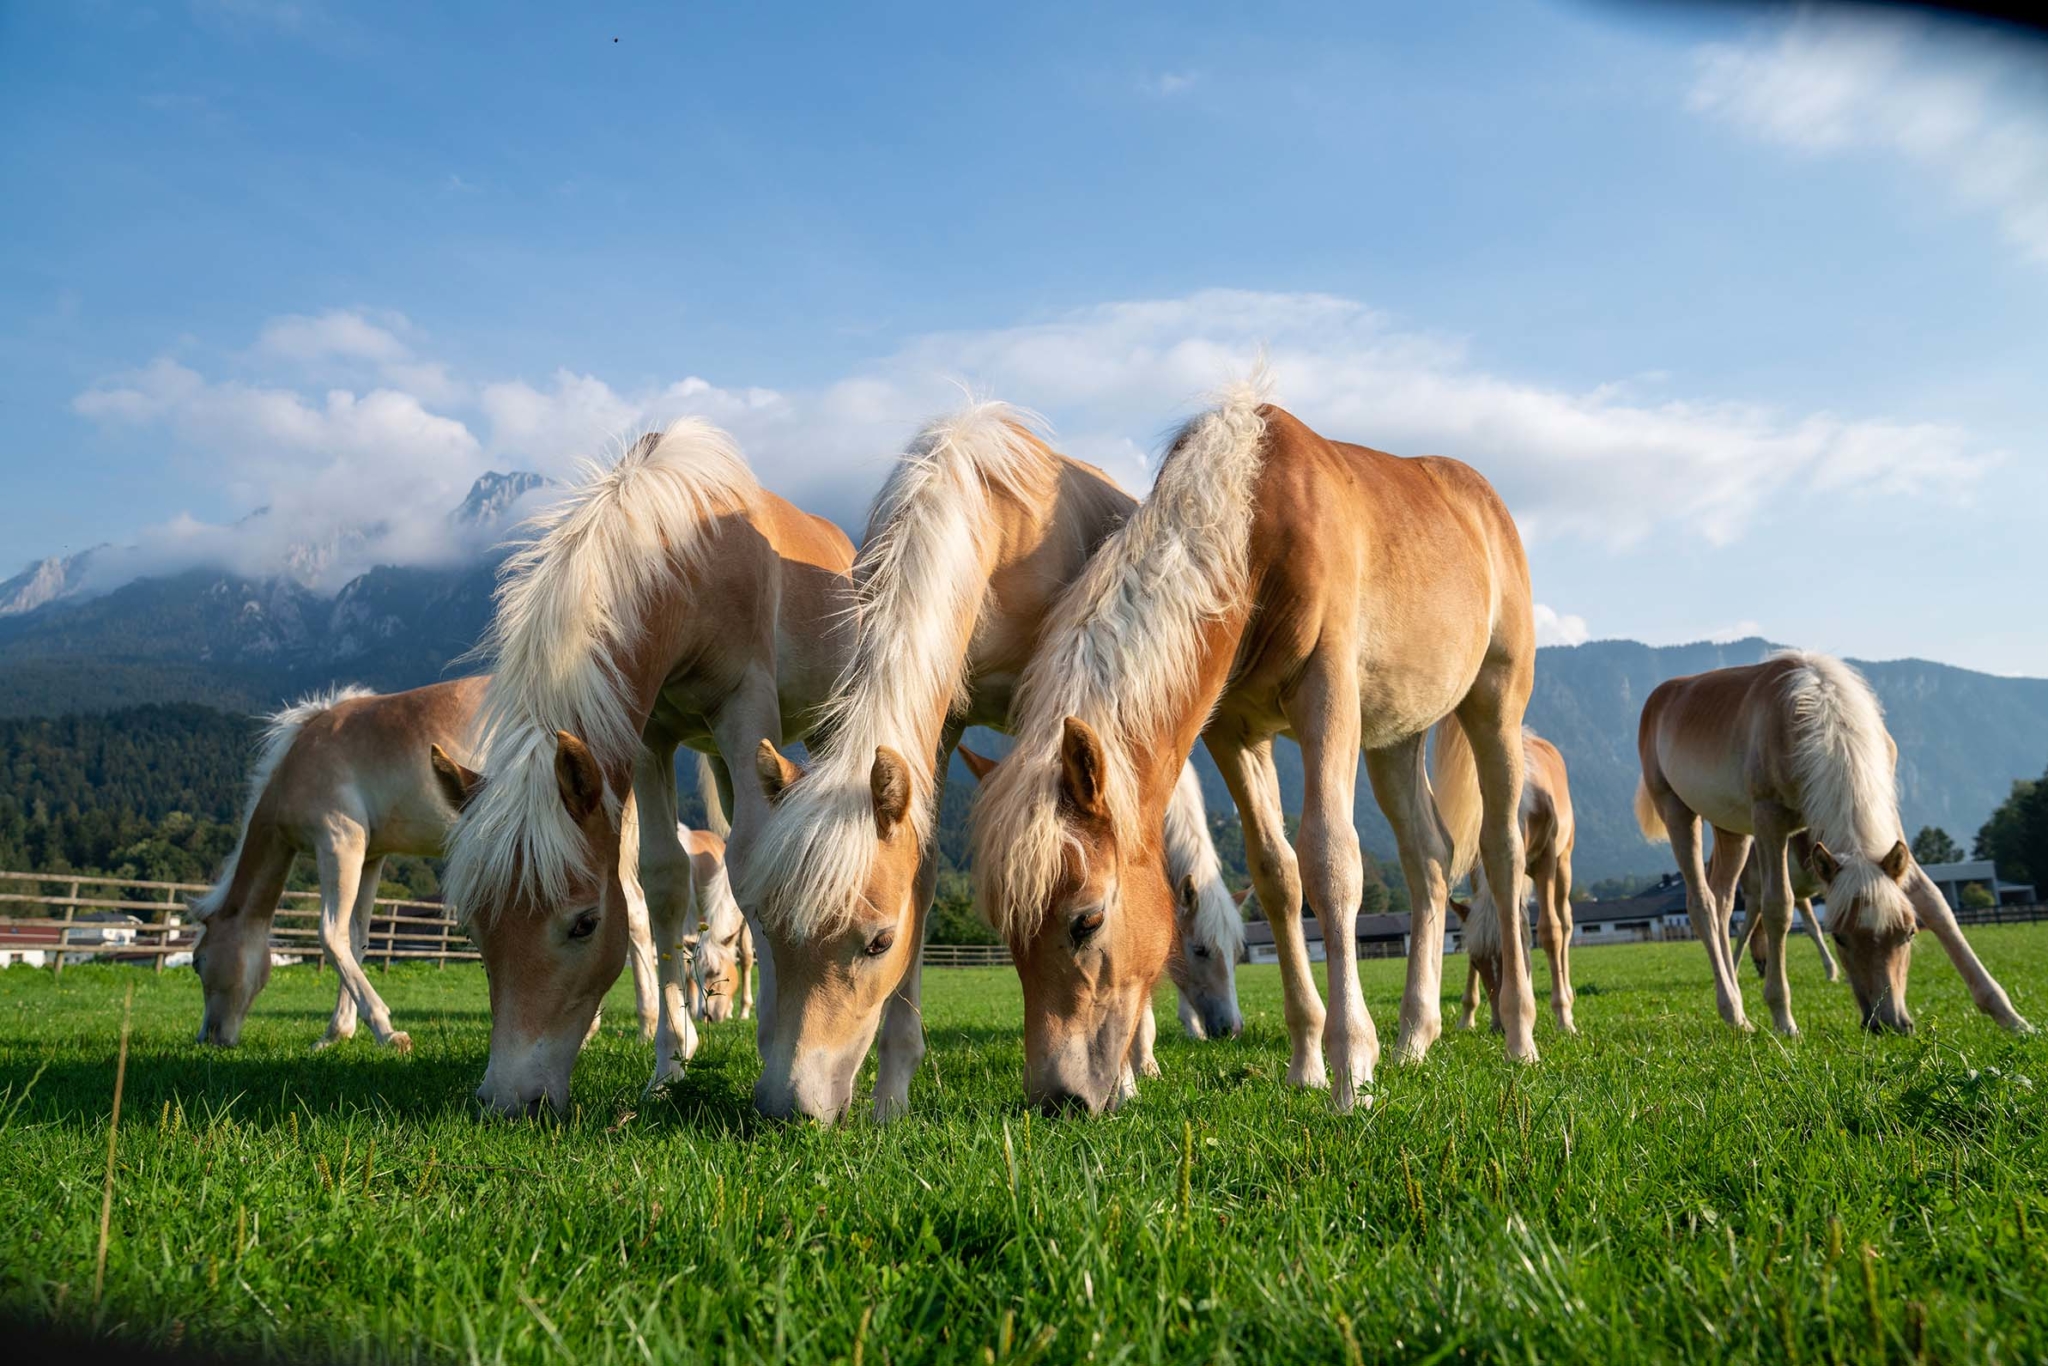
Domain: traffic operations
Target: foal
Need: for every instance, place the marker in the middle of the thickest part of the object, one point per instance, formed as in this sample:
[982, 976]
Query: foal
[1764, 751]
[722, 971]
[1549, 832]
[1272, 582]
[346, 777]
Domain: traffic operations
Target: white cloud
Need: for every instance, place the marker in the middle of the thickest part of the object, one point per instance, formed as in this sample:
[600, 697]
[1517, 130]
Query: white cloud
[1166, 84]
[1560, 628]
[1959, 111]
[1602, 465]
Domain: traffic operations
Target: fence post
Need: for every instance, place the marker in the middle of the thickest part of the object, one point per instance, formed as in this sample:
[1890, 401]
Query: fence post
[64, 934]
[163, 939]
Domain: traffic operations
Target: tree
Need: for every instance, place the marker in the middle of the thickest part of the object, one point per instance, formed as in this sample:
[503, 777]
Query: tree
[2016, 836]
[1935, 845]
[1977, 897]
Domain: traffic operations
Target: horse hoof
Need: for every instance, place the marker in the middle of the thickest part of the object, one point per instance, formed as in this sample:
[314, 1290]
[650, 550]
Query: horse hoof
[400, 1042]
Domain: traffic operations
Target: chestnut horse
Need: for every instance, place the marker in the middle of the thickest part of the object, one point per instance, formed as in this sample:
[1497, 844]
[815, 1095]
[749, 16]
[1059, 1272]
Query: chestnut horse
[1762, 752]
[975, 531]
[1272, 582]
[669, 600]
[1549, 832]
[342, 776]
[1805, 887]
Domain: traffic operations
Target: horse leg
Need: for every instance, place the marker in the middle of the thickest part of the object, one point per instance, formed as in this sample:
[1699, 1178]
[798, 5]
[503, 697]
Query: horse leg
[751, 715]
[1820, 939]
[1324, 713]
[343, 1024]
[1401, 787]
[1496, 740]
[640, 958]
[1684, 829]
[345, 888]
[668, 892]
[1255, 789]
[1753, 894]
[746, 957]
[1774, 826]
[1554, 925]
[1932, 910]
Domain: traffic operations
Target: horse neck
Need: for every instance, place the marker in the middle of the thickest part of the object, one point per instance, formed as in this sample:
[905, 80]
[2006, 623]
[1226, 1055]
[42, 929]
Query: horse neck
[1158, 753]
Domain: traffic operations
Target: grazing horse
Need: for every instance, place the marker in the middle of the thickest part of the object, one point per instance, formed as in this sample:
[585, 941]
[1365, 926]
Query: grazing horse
[976, 530]
[1549, 832]
[1211, 922]
[346, 777]
[1764, 751]
[669, 600]
[1272, 582]
[722, 968]
[1805, 887]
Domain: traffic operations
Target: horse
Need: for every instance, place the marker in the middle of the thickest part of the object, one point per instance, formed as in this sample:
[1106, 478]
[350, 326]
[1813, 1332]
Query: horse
[1211, 921]
[1805, 887]
[1763, 751]
[1549, 832]
[346, 776]
[1272, 582]
[976, 529]
[722, 967]
[667, 600]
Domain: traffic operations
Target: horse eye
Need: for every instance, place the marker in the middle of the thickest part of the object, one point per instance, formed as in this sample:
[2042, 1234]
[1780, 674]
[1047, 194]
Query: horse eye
[585, 926]
[880, 944]
[1202, 951]
[1085, 926]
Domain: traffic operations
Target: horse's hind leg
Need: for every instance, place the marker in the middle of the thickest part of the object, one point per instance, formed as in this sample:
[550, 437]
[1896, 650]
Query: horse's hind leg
[1554, 922]
[348, 885]
[1496, 739]
[343, 1025]
[1775, 909]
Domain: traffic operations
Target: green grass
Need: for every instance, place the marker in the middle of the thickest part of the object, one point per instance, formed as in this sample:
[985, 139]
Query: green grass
[1657, 1189]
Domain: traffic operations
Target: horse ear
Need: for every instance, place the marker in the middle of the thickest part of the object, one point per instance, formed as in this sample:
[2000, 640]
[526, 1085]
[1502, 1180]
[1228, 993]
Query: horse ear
[458, 784]
[889, 785]
[776, 772]
[978, 764]
[1895, 862]
[1190, 895]
[578, 776]
[1084, 769]
[1824, 865]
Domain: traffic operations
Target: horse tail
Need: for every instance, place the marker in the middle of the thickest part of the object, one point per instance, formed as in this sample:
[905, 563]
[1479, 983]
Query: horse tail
[1454, 778]
[1647, 819]
[280, 730]
[715, 819]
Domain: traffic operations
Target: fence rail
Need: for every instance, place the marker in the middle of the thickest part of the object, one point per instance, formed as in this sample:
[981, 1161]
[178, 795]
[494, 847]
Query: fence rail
[400, 931]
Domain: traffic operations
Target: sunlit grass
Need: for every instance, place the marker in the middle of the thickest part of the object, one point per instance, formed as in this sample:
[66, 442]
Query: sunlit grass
[1656, 1189]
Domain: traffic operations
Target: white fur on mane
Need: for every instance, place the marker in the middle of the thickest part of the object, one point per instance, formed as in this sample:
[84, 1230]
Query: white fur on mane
[1118, 652]
[279, 730]
[920, 582]
[570, 605]
[1848, 790]
[1190, 852]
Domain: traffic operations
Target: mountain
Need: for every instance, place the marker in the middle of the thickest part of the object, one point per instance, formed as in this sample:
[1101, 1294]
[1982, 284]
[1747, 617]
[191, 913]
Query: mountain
[248, 644]
[44, 582]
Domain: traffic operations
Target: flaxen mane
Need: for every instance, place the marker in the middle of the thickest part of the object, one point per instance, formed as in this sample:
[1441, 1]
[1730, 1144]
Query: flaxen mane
[919, 582]
[569, 606]
[1119, 651]
[280, 729]
[1848, 790]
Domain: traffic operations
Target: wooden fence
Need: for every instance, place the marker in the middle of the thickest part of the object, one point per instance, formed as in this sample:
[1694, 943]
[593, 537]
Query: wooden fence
[101, 917]
[40, 912]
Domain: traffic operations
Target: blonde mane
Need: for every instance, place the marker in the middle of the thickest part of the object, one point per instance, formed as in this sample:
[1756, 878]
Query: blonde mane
[570, 604]
[1119, 652]
[280, 729]
[920, 580]
[1848, 790]
[1190, 852]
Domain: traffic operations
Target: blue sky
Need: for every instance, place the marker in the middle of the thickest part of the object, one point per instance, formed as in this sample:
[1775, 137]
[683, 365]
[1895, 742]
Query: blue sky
[1742, 310]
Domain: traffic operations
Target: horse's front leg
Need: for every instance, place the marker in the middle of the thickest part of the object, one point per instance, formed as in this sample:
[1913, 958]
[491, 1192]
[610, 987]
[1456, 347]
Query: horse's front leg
[663, 873]
[1324, 713]
[1774, 827]
[1932, 910]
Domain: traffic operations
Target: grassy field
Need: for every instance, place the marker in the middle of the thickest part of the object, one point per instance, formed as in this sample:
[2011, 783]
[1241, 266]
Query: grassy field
[1657, 1189]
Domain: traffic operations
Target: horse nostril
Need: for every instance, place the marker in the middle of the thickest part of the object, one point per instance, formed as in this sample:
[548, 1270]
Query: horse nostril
[536, 1107]
[1062, 1103]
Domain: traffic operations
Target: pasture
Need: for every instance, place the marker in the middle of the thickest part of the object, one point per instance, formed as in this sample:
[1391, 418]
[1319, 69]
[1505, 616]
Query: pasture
[1657, 1189]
